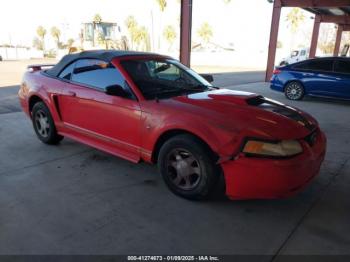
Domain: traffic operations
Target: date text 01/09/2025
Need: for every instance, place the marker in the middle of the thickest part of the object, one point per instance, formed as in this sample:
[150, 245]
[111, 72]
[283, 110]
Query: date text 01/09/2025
[173, 258]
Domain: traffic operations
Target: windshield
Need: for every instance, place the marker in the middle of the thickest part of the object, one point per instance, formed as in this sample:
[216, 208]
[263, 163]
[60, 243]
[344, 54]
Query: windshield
[164, 78]
[295, 53]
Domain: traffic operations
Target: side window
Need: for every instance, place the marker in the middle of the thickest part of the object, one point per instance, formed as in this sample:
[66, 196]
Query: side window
[316, 65]
[322, 65]
[98, 74]
[342, 67]
[67, 72]
[166, 71]
[303, 65]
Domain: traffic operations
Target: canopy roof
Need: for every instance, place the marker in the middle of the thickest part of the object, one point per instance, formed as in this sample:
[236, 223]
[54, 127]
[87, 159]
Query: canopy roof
[336, 11]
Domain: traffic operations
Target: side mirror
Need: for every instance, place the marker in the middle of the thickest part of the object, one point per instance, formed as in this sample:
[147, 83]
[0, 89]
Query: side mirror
[116, 90]
[208, 77]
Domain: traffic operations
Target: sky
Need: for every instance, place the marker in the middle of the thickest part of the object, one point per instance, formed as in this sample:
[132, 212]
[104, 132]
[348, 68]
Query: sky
[243, 23]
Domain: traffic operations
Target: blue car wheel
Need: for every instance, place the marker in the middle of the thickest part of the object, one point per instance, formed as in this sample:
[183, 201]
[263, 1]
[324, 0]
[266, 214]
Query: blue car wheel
[294, 90]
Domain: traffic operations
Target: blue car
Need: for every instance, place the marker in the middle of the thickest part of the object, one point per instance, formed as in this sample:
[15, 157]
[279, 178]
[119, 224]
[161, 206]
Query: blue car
[325, 77]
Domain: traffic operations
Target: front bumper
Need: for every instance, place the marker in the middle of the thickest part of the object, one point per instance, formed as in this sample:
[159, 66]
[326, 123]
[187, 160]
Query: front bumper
[259, 178]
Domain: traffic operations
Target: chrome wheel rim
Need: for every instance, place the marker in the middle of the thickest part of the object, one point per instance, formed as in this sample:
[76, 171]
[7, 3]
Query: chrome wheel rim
[183, 169]
[42, 123]
[294, 91]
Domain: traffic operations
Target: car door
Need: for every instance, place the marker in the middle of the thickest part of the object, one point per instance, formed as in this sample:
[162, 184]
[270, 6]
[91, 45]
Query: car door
[317, 76]
[112, 122]
[342, 69]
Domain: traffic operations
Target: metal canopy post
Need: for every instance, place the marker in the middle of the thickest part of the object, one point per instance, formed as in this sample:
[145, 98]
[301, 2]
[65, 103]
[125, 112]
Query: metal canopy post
[276, 14]
[185, 32]
[314, 38]
[338, 40]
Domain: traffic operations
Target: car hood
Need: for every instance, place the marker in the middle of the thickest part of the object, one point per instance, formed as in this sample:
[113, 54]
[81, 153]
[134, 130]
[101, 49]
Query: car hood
[247, 113]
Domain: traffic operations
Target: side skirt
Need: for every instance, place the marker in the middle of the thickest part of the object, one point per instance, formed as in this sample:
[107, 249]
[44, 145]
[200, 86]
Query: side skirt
[102, 143]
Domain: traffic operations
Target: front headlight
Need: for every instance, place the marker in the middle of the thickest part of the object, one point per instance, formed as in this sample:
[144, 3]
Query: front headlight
[284, 148]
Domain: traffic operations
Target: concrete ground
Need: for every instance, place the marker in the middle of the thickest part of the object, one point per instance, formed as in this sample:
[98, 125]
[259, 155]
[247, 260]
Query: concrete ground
[73, 199]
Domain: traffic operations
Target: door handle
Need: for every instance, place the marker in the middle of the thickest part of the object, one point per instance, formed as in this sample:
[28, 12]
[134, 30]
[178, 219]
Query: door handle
[71, 93]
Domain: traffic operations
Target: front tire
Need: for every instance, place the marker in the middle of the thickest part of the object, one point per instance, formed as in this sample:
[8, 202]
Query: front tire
[44, 125]
[188, 167]
[294, 91]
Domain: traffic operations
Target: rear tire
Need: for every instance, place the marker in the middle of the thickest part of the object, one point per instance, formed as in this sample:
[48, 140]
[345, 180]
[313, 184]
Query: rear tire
[188, 167]
[44, 125]
[294, 91]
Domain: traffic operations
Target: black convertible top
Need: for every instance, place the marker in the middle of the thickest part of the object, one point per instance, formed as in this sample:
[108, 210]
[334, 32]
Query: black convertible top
[104, 55]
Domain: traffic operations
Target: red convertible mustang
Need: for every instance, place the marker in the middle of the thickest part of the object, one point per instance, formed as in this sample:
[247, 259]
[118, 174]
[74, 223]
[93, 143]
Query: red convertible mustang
[148, 107]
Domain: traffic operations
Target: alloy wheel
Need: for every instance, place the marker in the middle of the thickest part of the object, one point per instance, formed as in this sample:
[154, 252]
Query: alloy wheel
[294, 91]
[183, 169]
[42, 123]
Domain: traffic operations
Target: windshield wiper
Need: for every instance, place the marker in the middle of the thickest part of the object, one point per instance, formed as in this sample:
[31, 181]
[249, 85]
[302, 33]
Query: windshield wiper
[215, 87]
[200, 88]
[163, 92]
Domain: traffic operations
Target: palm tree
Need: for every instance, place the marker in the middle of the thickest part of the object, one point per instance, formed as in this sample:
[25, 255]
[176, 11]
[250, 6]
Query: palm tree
[37, 43]
[131, 25]
[205, 32]
[101, 38]
[169, 34]
[41, 32]
[141, 37]
[122, 43]
[326, 41]
[70, 42]
[97, 19]
[56, 34]
[162, 4]
[295, 17]
[130, 22]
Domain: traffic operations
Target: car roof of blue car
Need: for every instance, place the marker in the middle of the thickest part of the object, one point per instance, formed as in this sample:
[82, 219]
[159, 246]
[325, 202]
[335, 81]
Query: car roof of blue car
[315, 59]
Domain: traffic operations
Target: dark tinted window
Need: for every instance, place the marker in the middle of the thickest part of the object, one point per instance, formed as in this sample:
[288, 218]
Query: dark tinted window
[158, 79]
[342, 67]
[67, 72]
[316, 65]
[97, 74]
